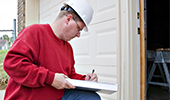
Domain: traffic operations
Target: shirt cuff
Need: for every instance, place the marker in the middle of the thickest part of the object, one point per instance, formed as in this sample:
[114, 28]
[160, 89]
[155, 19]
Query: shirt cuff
[49, 78]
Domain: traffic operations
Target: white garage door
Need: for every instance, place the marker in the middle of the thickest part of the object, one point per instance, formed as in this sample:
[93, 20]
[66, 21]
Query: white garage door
[96, 49]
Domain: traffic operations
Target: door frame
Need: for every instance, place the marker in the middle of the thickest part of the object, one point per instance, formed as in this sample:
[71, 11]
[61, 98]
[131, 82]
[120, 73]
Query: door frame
[128, 51]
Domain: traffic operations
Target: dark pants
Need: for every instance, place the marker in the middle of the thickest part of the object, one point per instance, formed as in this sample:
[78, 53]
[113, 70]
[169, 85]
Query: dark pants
[73, 94]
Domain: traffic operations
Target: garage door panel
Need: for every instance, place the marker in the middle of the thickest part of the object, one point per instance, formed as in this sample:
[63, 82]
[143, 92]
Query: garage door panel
[82, 46]
[45, 17]
[50, 15]
[99, 46]
[105, 73]
[100, 60]
[108, 96]
[46, 5]
[104, 10]
[106, 46]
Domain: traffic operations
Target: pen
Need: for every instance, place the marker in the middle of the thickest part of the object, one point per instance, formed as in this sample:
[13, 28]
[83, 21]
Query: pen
[92, 73]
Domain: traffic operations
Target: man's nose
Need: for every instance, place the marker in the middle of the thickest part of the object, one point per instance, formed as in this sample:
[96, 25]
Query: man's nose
[78, 34]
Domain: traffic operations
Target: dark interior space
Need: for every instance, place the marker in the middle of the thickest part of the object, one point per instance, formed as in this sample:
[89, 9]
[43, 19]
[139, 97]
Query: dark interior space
[158, 24]
[157, 36]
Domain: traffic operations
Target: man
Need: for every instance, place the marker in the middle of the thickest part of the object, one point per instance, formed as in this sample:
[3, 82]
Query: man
[41, 59]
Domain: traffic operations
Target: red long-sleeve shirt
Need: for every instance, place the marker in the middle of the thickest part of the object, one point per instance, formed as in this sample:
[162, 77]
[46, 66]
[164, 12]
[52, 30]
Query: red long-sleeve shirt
[35, 56]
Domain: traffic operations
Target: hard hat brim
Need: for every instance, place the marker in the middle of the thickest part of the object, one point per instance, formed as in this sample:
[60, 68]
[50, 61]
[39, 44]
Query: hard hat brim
[83, 9]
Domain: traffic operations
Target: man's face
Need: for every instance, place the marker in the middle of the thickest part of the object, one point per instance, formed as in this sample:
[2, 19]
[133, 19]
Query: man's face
[73, 29]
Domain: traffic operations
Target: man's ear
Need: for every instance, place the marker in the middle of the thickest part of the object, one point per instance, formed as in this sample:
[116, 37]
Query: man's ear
[69, 17]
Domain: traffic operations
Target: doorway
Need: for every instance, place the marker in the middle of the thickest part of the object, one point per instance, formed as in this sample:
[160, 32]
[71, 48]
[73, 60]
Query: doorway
[157, 35]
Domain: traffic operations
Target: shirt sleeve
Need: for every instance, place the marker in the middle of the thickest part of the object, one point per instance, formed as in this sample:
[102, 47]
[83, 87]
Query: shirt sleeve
[21, 66]
[73, 74]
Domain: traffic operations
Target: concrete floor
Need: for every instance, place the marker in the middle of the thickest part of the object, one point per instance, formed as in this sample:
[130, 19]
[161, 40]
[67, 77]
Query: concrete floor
[158, 93]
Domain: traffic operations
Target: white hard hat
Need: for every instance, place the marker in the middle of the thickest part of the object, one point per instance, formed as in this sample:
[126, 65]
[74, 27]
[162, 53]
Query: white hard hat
[83, 9]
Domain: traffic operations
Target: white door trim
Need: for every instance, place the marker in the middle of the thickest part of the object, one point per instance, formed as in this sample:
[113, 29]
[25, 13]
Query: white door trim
[128, 50]
[31, 14]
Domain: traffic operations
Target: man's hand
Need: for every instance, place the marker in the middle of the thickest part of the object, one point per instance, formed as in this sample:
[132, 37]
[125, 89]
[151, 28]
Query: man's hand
[91, 77]
[60, 82]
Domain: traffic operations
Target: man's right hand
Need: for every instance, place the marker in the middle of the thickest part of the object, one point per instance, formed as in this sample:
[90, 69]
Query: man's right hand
[60, 82]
